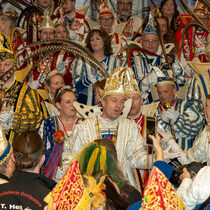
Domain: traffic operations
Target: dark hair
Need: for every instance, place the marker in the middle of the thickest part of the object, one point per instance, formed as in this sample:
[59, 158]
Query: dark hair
[60, 92]
[173, 26]
[106, 39]
[208, 97]
[28, 149]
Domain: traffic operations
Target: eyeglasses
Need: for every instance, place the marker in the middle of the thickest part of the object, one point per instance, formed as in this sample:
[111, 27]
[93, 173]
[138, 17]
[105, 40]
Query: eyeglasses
[147, 41]
[124, 3]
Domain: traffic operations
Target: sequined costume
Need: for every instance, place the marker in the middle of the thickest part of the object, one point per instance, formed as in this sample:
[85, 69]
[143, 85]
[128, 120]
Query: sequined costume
[27, 113]
[123, 132]
[188, 124]
[84, 76]
[47, 129]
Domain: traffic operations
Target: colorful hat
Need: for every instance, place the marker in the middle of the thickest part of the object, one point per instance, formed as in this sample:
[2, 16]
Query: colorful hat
[105, 9]
[159, 193]
[164, 75]
[150, 27]
[200, 9]
[47, 23]
[71, 192]
[131, 85]
[115, 83]
[5, 147]
[6, 50]
[10, 13]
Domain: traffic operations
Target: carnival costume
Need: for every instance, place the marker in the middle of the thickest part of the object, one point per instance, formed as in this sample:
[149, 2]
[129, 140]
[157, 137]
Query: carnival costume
[142, 65]
[183, 117]
[122, 131]
[5, 152]
[60, 60]
[76, 26]
[195, 38]
[18, 100]
[84, 76]
[128, 26]
[197, 191]
[72, 193]
[57, 153]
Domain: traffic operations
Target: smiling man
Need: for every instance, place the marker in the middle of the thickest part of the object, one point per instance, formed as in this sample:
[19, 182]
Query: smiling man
[110, 124]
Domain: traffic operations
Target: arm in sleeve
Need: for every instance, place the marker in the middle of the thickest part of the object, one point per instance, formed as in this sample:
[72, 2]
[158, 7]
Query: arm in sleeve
[136, 152]
[29, 115]
[197, 191]
[189, 121]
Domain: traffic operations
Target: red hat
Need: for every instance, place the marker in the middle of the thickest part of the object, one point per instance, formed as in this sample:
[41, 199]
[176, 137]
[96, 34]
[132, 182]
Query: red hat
[105, 9]
[200, 9]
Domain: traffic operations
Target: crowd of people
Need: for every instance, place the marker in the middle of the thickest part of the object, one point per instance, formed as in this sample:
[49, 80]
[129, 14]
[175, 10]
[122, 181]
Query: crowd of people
[78, 96]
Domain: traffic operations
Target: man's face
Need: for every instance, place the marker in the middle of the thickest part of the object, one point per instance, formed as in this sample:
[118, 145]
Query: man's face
[166, 93]
[124, 8]
[207, 110]
[44, 4]
[106, 22]
[136, 104]
[46, 34]
[150, 42]
[68, 6]
[5, 66]
[112, 106]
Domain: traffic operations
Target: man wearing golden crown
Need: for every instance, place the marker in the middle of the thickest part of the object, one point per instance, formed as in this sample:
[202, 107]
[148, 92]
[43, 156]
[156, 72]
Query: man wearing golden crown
[143, 63]
[181, 117]
[123, 132]
[20, 106]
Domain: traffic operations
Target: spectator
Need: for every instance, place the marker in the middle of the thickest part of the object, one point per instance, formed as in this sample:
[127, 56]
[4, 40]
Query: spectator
[27, 188]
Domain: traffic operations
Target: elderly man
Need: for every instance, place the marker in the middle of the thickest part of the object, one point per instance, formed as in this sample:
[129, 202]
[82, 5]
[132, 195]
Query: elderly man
[20, 107]
[130, 23]
[110, 124]
[142, 63]
[182, 118]
[7, 165]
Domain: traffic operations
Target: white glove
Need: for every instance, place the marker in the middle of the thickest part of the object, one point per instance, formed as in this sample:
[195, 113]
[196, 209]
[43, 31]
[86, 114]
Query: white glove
[170, 155]
[164, 116]
[172, 115]
[34, 84]
[150, 79]
[6, 118]
[165, 134]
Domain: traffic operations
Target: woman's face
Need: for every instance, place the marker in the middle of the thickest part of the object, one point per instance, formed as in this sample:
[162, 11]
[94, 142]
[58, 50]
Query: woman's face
[96, 42]
[56, 82]
[66, 105]
[163, 26]
[169, 8]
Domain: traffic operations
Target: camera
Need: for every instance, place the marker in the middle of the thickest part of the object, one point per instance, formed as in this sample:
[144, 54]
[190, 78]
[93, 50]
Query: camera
[193, 169]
